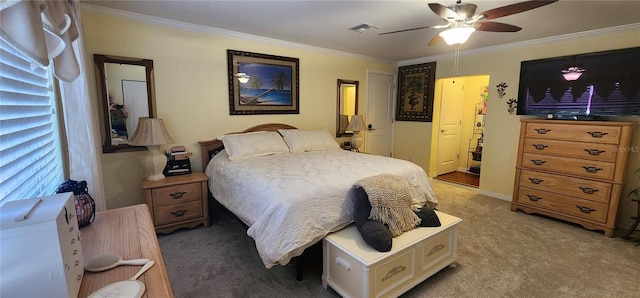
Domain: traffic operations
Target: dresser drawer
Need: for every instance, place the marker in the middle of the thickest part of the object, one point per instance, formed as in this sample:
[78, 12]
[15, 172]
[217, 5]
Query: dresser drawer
[177, 212]
[585, 168]
[584, 209]
[568, 132]
[585, 189]
[593, 151]
[176, 194]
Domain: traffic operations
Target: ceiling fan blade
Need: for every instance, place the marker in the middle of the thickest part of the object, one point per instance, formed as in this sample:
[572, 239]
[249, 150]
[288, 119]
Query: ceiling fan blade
[443, 11]
[436, 39]
[513, 9]
[405, 30]
[497, 27]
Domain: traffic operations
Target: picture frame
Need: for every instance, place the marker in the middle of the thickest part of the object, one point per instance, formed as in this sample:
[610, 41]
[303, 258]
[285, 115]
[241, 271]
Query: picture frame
[416, 85]
[262, 84]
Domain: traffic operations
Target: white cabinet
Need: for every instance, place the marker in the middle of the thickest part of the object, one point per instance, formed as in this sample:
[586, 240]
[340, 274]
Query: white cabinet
[40, 251]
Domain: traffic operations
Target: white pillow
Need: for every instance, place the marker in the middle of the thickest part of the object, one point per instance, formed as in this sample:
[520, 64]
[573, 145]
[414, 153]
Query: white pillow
[253, 144]
[301, 140]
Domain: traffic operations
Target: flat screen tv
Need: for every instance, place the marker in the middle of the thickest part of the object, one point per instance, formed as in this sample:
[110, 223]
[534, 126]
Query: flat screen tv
[583, 86]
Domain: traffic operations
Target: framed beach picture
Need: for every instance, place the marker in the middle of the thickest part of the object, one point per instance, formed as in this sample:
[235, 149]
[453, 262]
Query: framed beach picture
[262, 84]
[415, 92]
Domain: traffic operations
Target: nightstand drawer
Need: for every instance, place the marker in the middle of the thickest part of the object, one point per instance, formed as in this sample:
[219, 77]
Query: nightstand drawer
[176, 194]
[177, 212]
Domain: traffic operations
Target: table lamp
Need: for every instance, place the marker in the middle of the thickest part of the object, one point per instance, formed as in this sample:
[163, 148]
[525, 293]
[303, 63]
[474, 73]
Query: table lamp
[356, 125]
[152, 133]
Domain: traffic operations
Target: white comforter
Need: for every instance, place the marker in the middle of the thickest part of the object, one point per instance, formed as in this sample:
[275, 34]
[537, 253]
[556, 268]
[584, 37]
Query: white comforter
[290, 201]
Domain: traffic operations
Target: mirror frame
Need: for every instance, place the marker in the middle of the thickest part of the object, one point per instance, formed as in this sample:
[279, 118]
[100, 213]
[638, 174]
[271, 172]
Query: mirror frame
[99, 63]
[340, 83]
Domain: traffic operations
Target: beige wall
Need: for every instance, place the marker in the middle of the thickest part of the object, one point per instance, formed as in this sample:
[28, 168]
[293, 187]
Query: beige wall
[502, 129]
[192, 93]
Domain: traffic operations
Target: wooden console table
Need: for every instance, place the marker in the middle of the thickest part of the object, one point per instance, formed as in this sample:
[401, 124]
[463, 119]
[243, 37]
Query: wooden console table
[129, 233]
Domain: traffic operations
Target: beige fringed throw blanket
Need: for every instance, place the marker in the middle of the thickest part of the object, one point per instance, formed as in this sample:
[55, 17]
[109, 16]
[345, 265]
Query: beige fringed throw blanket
[390, 198]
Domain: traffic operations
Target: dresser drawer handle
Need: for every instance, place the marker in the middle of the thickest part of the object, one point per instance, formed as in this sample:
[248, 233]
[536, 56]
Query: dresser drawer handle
[588, 190]
[534, 198]
[177, 195]
[592, 169]
[179, 213]
[542, 131]
[539, 146]
[585, 209]
[536, 180]
[538, 162]
[597, 134]
[594, 151]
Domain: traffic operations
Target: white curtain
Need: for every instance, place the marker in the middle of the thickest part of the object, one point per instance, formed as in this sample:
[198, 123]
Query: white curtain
[83, 133]
[51, 30]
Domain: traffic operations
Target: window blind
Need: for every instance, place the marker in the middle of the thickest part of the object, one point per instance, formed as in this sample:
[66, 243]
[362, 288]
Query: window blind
[30, 158]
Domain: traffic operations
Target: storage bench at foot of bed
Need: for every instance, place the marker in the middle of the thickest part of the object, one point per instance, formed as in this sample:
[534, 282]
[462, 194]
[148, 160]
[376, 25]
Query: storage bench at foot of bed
[355, 269]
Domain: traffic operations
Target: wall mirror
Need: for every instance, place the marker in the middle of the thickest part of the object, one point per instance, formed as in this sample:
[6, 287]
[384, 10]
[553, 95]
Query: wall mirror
[126, 92]
[347, 105]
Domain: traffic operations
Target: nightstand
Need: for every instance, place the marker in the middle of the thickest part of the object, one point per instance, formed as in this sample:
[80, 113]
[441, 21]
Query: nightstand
[177, 201]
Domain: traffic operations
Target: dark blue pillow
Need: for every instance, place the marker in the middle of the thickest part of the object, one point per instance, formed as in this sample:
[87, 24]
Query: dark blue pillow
[429, 217]
[373, 232]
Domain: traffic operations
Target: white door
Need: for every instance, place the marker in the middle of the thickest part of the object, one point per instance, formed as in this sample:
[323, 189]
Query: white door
[451, 106]
[379, 119]
[136, 102]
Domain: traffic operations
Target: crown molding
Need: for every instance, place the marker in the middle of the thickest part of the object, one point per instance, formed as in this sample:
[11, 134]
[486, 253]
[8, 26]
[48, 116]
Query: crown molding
[217, 31]
[526, 43]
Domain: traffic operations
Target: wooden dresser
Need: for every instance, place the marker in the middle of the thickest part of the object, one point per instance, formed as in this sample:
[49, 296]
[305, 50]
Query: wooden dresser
[178, 201]
[128, 233]
[572, 170]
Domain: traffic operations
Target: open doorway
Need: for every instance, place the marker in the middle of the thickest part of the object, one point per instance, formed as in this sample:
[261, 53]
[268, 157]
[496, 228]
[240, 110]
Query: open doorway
[458, 129]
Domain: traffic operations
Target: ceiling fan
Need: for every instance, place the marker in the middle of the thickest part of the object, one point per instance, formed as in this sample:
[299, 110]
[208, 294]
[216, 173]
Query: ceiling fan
[462, 20]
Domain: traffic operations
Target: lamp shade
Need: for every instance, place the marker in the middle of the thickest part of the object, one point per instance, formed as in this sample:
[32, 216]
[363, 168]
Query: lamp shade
[150, 131]
[458, 35]
[357, 124]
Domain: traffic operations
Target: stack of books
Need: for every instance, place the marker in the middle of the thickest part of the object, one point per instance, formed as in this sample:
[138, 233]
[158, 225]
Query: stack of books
[178, 161]
[179, 153]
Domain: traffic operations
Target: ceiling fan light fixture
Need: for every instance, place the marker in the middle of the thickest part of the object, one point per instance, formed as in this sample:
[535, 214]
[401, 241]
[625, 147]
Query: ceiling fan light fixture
[458, 35]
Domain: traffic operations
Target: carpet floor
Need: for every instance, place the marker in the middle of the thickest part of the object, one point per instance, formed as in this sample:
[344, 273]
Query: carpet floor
[500, 254]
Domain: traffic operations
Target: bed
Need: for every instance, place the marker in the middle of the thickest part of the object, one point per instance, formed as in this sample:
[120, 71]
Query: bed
[291, 197]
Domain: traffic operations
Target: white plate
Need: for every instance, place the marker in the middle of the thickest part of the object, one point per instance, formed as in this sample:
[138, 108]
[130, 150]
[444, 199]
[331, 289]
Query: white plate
[120, 289]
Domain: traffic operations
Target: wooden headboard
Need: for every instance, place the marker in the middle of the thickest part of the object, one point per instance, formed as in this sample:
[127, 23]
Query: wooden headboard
[210, 148]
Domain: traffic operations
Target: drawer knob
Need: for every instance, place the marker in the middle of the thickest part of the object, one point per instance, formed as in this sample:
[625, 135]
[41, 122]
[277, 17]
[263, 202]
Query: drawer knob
[538, 162]
[585, 209]
[179, 213]
[539, 146]
[597, 134]
[534, 198]
[588, 190]
[536, 180]
[594, 151]
[591, 169]
[177, 195]
[542, 131]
